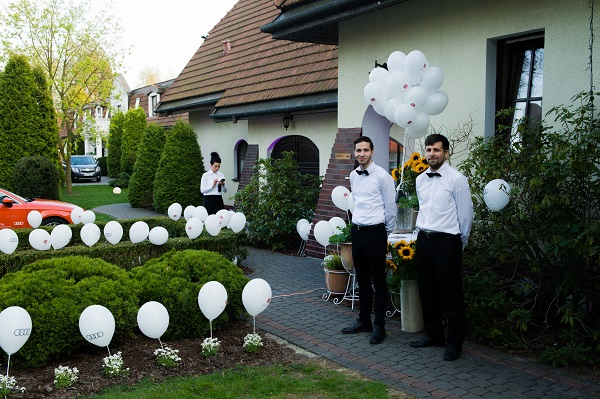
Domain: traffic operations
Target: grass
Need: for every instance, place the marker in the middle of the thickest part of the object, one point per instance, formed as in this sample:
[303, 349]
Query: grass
[305, 380]
[92, 196]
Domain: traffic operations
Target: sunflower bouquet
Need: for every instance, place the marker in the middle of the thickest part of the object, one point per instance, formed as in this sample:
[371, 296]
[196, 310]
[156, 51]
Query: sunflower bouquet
[400, 263]
[406, 181]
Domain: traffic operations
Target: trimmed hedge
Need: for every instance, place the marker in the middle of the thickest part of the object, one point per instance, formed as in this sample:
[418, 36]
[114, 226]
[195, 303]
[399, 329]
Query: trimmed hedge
[36, 177]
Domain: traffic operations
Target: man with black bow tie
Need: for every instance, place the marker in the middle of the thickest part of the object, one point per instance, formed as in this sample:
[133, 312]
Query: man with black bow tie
[444, 223]
[373, 219]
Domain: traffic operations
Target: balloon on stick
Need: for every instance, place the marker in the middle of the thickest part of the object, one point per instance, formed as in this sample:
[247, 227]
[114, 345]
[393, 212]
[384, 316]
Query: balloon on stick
[158, 235]
[188, 212]
[88, 217]
[304, 231]
[323, 232]
[97, 325]
[174, 211]
[9, 241]
[138, 232]
[153, 320]
[237, 222]
[212, 225]
[40, 239]
[60, 236]
[113, 232]
[496, 194]
[15, 329]
[339, 196]
[194, 227]
[90, 234]
[34, 218]
[256, 296]
[212, 300]
[224, 217]
[76, 215]
[337, 223]
[201, 213]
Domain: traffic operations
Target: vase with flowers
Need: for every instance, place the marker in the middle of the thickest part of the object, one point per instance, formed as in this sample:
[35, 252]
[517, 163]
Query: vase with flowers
[406, 192]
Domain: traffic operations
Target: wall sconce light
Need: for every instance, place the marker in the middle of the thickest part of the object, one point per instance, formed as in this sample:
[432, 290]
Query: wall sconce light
[384, 65]
[286, 120]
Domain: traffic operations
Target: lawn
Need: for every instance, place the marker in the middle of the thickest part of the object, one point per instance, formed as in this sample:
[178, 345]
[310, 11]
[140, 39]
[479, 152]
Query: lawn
[92, 196]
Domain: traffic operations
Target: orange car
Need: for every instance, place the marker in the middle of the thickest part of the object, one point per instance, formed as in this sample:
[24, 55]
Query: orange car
[14, 210]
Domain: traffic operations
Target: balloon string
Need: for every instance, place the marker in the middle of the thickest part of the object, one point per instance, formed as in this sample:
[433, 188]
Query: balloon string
[108, 351]
[254, 325]
[7, 366]
[161, 345]
[210, 321]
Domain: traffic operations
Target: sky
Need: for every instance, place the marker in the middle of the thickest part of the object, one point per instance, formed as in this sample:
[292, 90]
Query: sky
[165, 34]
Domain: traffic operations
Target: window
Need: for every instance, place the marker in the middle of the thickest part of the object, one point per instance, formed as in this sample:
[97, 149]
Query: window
[153, 103]
[137, 103]
[520, 80]
[396, 153]
[307, 153]
[240, 155]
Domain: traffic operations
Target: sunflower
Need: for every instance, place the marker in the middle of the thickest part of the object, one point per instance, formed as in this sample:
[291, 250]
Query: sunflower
[396, 174]
[406, 252]
[415, 157]
[391, 265]
[419, 167]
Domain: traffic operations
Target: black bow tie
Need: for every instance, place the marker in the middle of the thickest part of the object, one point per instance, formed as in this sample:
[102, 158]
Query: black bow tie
[363, 172]
[433, 174]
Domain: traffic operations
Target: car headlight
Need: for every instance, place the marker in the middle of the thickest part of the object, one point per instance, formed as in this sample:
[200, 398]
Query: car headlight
[97, 168]
[76, 170]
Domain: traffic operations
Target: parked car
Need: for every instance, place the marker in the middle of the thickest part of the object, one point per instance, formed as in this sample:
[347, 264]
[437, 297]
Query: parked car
[14, 210]
[84, 167]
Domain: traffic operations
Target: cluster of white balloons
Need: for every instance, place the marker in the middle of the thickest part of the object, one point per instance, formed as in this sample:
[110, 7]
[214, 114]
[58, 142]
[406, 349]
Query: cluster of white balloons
[408, 92]
[197, 218]
[325, 229]
[303, 228]
[496, 194]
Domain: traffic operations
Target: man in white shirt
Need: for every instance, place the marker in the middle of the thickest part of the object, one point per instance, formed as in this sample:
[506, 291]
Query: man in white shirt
[444, 223]
[372, 220]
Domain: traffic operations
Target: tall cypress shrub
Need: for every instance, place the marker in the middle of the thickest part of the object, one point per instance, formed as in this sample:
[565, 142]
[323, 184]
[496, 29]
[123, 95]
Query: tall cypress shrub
[115, 139]
[133, 131]
[141, 184]
[180, 169]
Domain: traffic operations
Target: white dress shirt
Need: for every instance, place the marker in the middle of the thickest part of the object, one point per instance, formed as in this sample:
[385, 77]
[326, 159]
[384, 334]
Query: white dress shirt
[445, 203]
[373, 197]
[208, 179]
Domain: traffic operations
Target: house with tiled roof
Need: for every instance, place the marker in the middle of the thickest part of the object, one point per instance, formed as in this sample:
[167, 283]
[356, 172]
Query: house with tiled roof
[148, 97]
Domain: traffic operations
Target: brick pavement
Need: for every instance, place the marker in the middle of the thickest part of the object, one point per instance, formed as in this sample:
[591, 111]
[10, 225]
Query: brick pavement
[299, 315]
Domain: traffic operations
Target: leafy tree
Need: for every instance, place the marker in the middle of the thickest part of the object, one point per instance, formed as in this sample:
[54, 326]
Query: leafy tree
[277, 196]
[76, 49]
[133, 131]
[27, 118]
[180, 169]
[37, 177]
[115, 138]
[141, 184]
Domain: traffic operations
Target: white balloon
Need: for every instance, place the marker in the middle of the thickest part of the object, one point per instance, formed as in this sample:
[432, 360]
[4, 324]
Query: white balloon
[224, 217]
[158, 235]
[34, 218]
[113, 232]
[323, 232]
[390, 108]
[153, 319]
[40, 239]
[304, 231]
[188, 213]
[97, 325]
[139, 231]
[416, 97]
[60, 236]
[238, 222]
[379, 108]
[404, 115]
[15, 329]
[415, 65]
[174, 211]
[256, 296]
[212, 299]
[374, 92]
[395, 61]
[339, 196]
[419, 126]
[212, 225]
[201, 213]
[88, 217]
[351, 203]
[300, 223]
[76, 215]
[432, 79]
[496, 194]
[9, 241]
[398, 83]
[337, 223]
[194, 227]
[378, 74]
[436, 103]
[90, 234]
[117, 190]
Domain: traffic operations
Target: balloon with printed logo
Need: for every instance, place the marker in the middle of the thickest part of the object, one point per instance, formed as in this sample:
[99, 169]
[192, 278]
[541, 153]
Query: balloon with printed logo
[113, 232]
[212, 225]
[76, 215]
[304, 231]
[138, 232]
[374, 93]
[378, 74]
[97, 325]
[404, 115]
[432, 80]
[188, 212]
[153, 319]
[158, 235]
[201, 213]
[415, 66]
[60, 236]
[224, 217]
[337, 223]
[174, 211]
[256, 296]
[398, 84]
[34, 218]
[395, 61]
[212, 299]
[419, 126]
[88, 217]
[415, 97]
[90, 234]
[9, 241]
[40, 239]
[237, 222]
[339, 196]
[436, 103]
[15, 329]
[323, 232]
[194, 227]
[496, 194]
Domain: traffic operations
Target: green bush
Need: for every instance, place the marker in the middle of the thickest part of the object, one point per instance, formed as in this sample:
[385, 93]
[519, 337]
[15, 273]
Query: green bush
[55, 292]
[141, 184]
[277, 196]
[121, 181]
[36, 177]
[133, 131]
[115, 139]
[175, 280]
[543, 249]
[180, 169]
[103, 167]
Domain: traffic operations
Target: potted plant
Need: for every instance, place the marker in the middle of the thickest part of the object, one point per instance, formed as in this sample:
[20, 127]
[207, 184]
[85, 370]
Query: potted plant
[406, 198]
[344, 241]
[336, 277]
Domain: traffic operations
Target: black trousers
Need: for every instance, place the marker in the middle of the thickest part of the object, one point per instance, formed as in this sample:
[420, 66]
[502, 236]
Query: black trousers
[369, 250]
[213, 203]
[439, 269]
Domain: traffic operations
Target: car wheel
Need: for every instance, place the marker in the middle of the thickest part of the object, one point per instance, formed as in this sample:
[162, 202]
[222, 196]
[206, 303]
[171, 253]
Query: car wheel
[98, 178]
[53, 221]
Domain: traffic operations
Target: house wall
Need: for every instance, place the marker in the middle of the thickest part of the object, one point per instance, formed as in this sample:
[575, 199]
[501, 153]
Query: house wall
[455, 35]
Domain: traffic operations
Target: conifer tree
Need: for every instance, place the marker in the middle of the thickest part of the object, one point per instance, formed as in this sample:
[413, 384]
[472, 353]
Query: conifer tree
[141, 184]
[133, 132]
[115, 138]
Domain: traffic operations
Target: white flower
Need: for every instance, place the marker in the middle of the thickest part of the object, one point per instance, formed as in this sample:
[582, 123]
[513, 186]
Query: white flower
[167, 357]
[113, 365]
[252, 343]
[65, 376]
[8, 385]
[210, 347]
